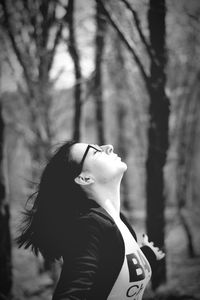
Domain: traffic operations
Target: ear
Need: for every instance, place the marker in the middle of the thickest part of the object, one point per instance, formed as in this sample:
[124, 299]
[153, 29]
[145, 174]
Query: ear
[84, 179]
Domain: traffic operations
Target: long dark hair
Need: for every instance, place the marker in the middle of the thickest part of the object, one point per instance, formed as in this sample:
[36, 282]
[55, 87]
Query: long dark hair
[57, 203]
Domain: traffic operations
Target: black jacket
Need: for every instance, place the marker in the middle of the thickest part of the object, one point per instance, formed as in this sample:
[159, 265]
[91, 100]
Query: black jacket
[94, 257]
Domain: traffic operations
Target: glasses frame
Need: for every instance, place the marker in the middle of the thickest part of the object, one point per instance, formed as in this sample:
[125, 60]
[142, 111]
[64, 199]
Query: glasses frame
[85, 154]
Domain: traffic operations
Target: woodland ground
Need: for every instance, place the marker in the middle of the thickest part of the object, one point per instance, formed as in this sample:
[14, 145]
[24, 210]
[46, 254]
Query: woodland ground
[183, 273]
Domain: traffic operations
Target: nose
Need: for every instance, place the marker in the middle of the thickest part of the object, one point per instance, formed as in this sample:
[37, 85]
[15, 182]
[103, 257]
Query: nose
[108, 149]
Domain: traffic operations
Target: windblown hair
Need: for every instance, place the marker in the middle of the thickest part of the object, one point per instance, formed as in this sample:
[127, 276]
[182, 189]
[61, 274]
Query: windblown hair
[57, 204]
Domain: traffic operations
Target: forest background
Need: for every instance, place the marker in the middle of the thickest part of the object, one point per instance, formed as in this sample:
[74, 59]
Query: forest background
[119, 72]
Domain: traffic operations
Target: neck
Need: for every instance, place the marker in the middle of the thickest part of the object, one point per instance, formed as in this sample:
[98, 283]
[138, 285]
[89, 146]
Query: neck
[108, 197]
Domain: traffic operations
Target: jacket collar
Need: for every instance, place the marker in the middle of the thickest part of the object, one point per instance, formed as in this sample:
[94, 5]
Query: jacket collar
[101, 211]
[96, 208]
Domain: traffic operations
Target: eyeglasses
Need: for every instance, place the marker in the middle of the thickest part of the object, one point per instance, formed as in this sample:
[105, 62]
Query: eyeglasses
[86, 152]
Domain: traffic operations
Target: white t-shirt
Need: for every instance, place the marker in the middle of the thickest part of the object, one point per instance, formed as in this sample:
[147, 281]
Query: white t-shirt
[135, 272]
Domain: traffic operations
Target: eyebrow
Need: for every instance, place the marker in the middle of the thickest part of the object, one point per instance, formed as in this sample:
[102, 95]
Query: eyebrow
[96, 150]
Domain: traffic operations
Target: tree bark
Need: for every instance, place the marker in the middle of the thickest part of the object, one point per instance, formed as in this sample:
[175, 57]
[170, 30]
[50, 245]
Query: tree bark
[73, 50]
[157, 135]
[187, 135]
[5, 239]
[98, 90]
[120, 82]
[122, 150]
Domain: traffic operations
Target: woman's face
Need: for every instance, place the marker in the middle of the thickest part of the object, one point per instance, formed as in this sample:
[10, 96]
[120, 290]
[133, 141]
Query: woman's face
[100, 162]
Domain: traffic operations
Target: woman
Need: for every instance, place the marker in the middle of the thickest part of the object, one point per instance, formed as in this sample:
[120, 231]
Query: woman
[76, 216]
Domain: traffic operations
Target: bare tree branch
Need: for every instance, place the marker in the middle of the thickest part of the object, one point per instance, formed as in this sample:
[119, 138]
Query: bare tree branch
[15, 46]
[142, 36]
[56, 42]
[127, 43]
[29, 25]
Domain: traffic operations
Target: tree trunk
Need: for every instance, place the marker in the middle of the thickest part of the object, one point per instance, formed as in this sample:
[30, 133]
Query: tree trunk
[73, 50]
[157, 135]
[121, 85]
[187, 133]
[122, 150]
[98, 94]
[5, 239]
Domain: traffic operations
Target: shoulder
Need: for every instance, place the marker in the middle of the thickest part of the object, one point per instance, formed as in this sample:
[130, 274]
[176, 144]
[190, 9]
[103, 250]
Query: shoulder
[93, 229]
[98, 222]
[96, 217]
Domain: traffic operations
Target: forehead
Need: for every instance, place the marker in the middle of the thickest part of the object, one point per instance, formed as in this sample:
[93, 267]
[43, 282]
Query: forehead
[77, 151]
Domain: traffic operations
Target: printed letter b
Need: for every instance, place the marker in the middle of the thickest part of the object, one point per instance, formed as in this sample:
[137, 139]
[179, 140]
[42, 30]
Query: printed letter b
[136, 271]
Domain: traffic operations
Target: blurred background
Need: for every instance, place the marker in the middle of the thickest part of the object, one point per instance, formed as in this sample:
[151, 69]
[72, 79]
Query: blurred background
[120, 72]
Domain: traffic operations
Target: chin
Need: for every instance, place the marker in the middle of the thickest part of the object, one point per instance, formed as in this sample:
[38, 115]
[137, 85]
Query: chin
[124, 166]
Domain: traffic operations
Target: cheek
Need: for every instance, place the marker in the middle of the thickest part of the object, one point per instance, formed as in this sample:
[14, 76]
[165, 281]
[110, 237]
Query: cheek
[102, 166]
[106, 168]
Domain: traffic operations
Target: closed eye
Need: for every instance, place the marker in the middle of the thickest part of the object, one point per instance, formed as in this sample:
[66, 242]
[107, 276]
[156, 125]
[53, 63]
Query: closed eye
[98, 150]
